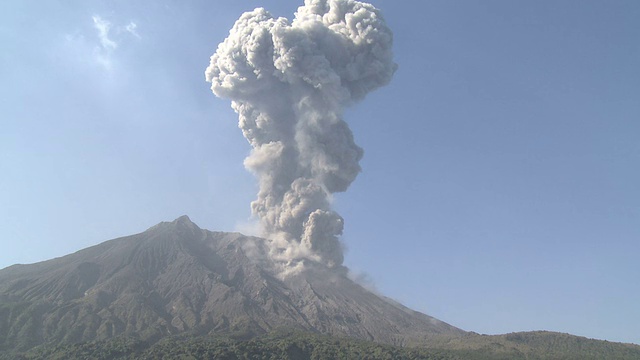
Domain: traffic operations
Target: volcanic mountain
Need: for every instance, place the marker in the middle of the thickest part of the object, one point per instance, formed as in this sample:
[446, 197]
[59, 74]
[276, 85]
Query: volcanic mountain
[177, 278]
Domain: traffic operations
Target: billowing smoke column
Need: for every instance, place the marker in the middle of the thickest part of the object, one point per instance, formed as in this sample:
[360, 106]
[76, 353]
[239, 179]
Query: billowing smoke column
[289, 83]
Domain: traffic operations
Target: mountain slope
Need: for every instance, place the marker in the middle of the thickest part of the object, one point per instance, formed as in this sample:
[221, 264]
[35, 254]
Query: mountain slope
[177, 278]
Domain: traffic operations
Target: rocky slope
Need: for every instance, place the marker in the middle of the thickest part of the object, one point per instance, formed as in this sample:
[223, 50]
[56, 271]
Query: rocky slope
[177, 278]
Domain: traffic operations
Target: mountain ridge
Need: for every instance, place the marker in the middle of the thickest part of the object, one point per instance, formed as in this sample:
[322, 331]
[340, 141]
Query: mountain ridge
[177, 278]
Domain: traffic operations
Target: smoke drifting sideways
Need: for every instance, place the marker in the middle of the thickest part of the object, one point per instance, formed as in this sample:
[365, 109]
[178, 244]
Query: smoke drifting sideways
[289, 82]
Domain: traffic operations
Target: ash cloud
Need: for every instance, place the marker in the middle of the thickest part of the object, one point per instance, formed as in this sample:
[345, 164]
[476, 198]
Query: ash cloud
[289, 82]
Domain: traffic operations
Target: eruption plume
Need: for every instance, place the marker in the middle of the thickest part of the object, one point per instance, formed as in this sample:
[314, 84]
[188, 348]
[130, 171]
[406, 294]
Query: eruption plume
[289, 83]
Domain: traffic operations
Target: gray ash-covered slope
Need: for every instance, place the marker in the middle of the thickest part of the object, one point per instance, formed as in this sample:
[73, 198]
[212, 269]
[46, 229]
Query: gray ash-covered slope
[175, 278]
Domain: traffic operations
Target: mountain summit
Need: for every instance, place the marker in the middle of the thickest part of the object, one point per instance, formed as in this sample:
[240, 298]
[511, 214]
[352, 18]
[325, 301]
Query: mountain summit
[178, 278]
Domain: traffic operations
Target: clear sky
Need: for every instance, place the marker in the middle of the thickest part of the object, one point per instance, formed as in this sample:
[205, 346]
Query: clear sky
[500, 183]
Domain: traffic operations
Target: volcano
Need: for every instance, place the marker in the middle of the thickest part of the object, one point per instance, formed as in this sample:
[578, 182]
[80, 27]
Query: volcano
[177, 278]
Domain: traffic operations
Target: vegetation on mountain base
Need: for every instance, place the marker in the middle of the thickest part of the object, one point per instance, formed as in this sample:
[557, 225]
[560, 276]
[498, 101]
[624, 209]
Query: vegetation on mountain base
[302, 345]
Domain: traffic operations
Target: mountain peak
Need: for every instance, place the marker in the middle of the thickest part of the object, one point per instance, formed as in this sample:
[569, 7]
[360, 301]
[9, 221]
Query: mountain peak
[183, 220]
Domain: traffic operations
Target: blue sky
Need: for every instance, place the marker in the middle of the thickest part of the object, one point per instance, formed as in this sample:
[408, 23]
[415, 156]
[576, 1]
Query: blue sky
[499, 189]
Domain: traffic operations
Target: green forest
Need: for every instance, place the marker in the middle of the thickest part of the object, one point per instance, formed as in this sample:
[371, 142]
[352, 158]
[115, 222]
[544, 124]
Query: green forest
[301, 345]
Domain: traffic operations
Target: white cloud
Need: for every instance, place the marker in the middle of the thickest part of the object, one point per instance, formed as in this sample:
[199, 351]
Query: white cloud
[101, 43]
[109, 40]
[131, 28]
[103, 28]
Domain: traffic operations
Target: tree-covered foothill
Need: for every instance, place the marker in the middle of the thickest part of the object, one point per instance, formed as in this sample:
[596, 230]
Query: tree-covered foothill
[300, 345]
